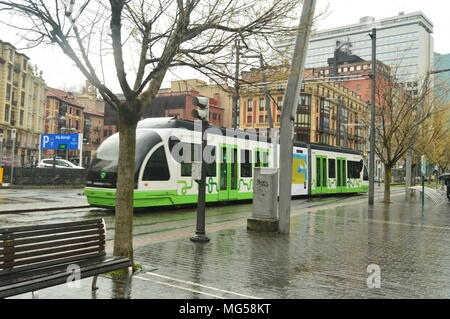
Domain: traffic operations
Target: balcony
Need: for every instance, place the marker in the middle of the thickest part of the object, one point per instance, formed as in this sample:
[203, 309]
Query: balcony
[326, 131]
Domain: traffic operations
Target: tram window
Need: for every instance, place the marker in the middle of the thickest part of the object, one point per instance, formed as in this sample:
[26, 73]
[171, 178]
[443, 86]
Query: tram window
[332, 168]
[156, 168]
[246, 163]
[354, 169]
[262, 159]
[186, 166]
[366, 174]
[210, 159]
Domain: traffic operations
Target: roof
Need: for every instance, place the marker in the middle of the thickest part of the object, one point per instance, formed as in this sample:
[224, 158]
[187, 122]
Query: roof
[62, 96]
[92, 112]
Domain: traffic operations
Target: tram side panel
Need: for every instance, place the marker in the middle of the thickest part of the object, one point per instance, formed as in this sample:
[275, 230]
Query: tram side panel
[300, 178]
[336, 173]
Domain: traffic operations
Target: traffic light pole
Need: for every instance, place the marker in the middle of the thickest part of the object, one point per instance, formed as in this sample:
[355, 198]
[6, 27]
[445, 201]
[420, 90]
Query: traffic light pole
[200, 234]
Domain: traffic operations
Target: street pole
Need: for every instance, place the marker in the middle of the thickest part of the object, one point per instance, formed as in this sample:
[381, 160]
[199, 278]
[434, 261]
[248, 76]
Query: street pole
[13, 154]
[372, 120]
[236, 85]
[200, 234]
[80, 136]
[289, 112]
[339, 108]
[266, 93]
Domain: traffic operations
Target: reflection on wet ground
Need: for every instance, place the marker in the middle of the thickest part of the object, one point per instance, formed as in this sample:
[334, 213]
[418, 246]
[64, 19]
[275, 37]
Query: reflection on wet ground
[326, 255]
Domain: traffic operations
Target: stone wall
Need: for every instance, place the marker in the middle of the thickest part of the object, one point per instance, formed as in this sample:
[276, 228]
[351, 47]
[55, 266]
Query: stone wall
[45, 176]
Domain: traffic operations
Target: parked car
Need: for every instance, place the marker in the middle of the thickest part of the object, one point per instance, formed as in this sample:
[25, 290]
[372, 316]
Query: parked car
[60, 163]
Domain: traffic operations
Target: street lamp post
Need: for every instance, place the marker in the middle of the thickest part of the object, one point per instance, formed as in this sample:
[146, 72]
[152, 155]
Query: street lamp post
[373, 35]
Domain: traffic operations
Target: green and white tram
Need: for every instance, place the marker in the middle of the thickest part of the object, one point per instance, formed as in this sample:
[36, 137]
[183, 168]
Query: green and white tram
[162, 180]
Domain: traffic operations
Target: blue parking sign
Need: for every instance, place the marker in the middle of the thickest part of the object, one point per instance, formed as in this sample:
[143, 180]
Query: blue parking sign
[60, 141]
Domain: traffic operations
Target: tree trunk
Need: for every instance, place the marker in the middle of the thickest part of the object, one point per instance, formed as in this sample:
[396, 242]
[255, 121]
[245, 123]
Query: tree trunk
[387, 184]
[123, 239]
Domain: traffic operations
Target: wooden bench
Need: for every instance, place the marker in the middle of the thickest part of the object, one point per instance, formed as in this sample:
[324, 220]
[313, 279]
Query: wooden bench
[42, 256]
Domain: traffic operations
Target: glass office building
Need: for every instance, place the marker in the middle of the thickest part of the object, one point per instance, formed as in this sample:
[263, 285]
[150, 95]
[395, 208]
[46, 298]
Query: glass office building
[404, 42]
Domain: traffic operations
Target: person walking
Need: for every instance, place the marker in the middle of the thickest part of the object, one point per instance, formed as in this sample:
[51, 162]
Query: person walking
[447, 183]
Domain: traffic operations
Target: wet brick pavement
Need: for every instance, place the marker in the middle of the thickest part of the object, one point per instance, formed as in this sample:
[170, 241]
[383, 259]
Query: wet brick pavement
[326, 255]
[17, 200]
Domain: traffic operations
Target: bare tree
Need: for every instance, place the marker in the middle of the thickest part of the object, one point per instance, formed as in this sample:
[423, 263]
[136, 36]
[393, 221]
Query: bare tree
[400, 117]
[156, 35]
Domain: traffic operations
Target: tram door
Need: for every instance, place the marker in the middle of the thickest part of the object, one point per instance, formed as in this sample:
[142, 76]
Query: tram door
[341, 174]
[321, 174]
[228, 179]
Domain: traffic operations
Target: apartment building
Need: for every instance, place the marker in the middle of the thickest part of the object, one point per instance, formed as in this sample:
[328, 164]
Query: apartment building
[22, 103]
[327, 113]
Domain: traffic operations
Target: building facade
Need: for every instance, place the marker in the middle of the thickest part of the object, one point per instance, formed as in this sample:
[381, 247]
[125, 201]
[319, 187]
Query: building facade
[327, 113]
[168, 104]
[179, 104]
[63, 115]
[88, 98]
[92, 133]
[442, 80]
[404, 42]
[222, 95]
[22, 101]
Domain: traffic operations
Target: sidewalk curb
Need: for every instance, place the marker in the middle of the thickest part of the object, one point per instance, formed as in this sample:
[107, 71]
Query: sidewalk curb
[17, 211]
[41, 187]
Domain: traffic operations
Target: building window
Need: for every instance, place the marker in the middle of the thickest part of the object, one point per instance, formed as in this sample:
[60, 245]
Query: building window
[305, 100]
[249, 119]
[261, 119]
[6, 113]
[261, 104]
[250, 105]
[8, 92]
[9, 72]
[21, 118]
[280, 102]
[22, 98]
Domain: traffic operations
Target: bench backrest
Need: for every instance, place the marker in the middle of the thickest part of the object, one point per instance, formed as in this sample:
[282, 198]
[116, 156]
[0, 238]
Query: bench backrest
[32, 247]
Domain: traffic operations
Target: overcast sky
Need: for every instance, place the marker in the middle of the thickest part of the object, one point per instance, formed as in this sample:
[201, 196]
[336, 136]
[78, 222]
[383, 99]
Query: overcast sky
[59, 71]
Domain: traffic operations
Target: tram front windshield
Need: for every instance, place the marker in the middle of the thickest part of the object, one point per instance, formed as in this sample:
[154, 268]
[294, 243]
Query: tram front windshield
[103, 169]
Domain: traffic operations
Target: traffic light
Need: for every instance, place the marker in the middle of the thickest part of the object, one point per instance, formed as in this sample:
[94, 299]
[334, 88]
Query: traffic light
[202, 112]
